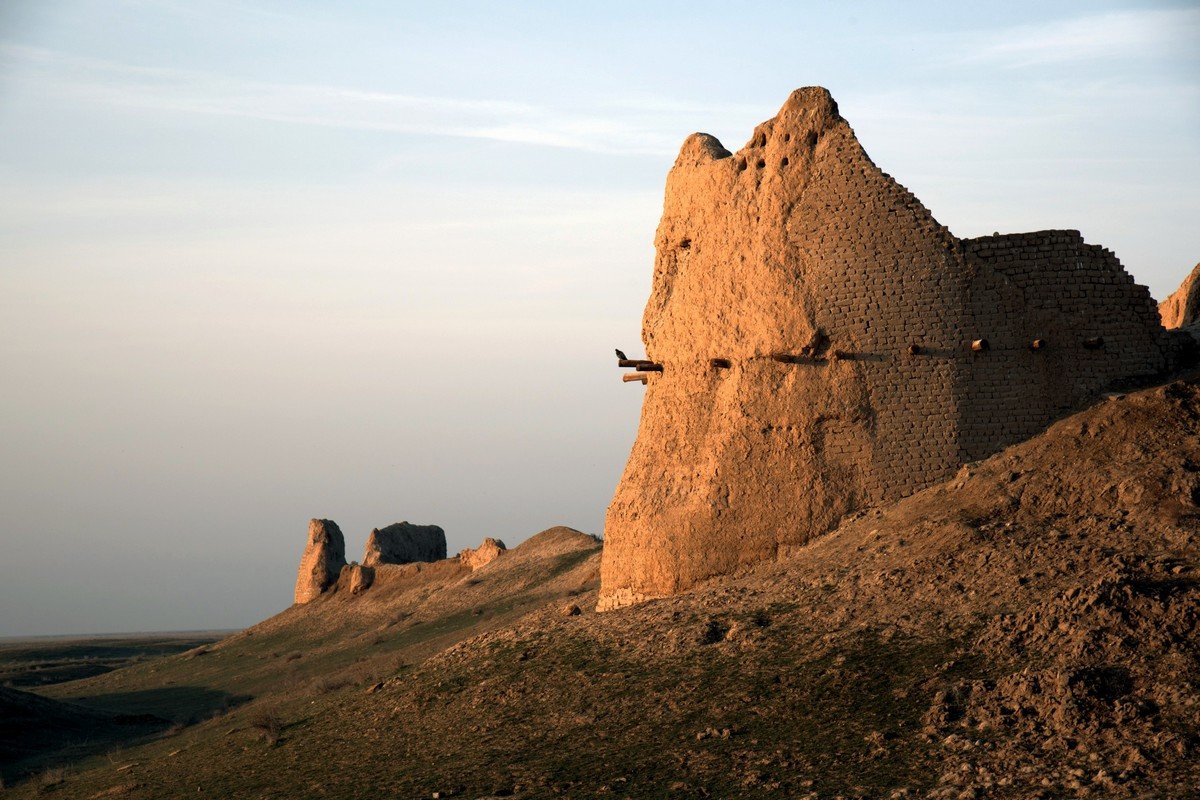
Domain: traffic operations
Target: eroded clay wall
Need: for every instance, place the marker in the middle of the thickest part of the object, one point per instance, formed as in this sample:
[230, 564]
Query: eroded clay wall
[797, 241]
[799, 245]
[1097, 329]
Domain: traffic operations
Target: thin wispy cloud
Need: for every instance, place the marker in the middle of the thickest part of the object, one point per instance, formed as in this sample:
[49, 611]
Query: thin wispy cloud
[1120, 34]
[619, 128]
[222, 9]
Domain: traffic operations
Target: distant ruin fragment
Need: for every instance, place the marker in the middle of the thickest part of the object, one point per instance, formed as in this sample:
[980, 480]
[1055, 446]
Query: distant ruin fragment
[323, 559]
[1182, 308]
[404, 543]
[486, 553]
[825, 345]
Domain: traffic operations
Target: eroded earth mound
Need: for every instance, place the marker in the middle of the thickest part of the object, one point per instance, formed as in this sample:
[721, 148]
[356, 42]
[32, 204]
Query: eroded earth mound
[487, 552]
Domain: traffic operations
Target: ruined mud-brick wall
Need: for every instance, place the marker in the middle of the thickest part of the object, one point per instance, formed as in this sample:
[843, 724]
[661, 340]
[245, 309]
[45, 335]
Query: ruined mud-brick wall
[1095, 322]
[798, 244]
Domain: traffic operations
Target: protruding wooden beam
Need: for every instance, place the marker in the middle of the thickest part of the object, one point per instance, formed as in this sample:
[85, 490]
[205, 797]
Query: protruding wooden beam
[980, 345]
[1094, 343]
[1037, 344]
[792, 358]
[815, 344]
[634, 377]
[915, 350]
[720, 363]
[648, 366]
[631, 362]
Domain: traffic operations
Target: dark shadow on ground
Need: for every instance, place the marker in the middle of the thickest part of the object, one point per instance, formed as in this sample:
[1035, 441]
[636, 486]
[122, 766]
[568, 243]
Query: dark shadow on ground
[178, 704]
[37, 732]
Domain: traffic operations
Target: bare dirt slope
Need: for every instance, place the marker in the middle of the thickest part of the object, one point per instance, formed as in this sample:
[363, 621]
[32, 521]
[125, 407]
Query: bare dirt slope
[1026, 629]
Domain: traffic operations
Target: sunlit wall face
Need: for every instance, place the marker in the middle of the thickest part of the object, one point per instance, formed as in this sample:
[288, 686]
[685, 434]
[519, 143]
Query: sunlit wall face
[261, 262]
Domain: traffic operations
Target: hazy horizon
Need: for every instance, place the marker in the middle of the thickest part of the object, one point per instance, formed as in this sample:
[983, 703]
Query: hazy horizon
[262, 262]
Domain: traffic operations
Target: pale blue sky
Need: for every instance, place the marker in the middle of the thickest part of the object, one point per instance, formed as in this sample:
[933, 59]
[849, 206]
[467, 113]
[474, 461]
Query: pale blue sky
[266, 261]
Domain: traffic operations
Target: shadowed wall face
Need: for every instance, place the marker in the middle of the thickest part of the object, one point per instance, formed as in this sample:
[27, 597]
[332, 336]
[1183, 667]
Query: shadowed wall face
[404, 543]
[814, 274]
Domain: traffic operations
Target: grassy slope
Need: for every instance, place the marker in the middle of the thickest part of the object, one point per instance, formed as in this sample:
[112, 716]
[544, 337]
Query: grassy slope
[1027, 629]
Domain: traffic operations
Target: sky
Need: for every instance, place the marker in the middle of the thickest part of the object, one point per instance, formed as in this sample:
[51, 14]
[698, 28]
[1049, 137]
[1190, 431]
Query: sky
[368, 261]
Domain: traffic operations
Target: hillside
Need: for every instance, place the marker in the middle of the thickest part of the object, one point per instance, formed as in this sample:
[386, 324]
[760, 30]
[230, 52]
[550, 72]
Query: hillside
[35, 730]
[324, 647]
[1026, 629]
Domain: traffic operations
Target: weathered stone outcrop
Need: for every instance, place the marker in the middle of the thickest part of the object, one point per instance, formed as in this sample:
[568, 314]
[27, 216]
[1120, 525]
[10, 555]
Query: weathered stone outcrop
[404, 543]
[1182, 308]
[323, 559]
[827, 345]
[486, 553]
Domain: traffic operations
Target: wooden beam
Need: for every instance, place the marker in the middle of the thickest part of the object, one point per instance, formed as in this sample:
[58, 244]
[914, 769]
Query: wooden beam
[1037, 344]
[979, 345]
[914, 350]
[634, 377]
[792, 358]
[631, 362]
[1094, 343]
[720, 363]
[649, 366]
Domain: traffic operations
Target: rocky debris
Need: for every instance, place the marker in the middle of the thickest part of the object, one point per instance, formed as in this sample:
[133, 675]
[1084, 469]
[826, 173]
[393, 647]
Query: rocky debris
[404, 543]
[864, 352]
[358, 577]
[323, 559]
[486, 553]
[571, 610]
[1182, 308]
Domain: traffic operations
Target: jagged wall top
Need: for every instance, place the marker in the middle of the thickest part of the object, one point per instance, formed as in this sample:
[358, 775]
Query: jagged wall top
[743, 203]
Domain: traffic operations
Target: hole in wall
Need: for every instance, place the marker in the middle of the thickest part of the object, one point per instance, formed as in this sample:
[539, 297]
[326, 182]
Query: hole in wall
[787, 137]
[761, 163]
[812, 139]
[686, 244]
[741, 164]
[784, 162]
